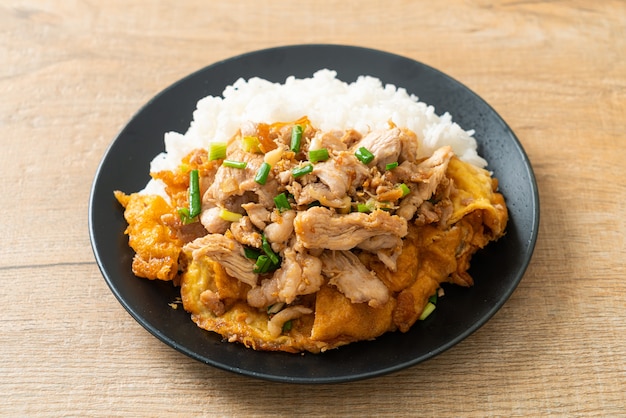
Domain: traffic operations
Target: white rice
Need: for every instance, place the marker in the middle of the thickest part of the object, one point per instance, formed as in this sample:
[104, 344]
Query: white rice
[328, 102]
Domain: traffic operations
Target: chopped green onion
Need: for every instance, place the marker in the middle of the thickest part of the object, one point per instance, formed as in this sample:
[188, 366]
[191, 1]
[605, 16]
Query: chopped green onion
[234, 164]
[301, 171]
[230, 216]
[318, 155]
[433, 299]
[251, 253]
[391, 166]
[287, 326]
[265, 264]
[282, 203]
[428, 309]
[217, 151]
[364, 155]
[262, 264]
[269, 261]
[267, 248]
[262, 173]
[405, 189]
[366, 207]
[251, 144]
[275, 308]
[184, 216]
[363, 208]
[195, 203]
[296, 138]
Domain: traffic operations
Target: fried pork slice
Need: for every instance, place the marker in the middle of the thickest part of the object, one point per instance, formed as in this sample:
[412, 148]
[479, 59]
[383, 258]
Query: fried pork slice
[341, 174]
[386, 247]
[319, 227]
[319, 192]
[259, 215]
[332, 141]
[244, 232]
[231, 183]
[338, 178]
[389, 146]
[426, 175]
[346, 272]
[299, 274]
[281, 228]
[228, 252]
[212, 222]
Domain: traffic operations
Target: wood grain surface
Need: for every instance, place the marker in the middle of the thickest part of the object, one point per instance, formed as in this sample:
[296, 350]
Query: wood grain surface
[73, 72]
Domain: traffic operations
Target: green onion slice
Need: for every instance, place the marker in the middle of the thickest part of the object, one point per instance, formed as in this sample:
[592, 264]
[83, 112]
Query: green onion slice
[363, 208]
[262, 264]
[267, 248]
[433, 299]
[282, 203]
[364, 155]
[428, 309]
[318, 155]
[234, 164]
[262, 173]
[251, 144]
[217, 151]
[301, 171]
[296, 138]
[287, 326]
[184, 216]
[195, 201]
[391, 166]
[230, 216]
[275, 308]
[251, 253]
[405, 189]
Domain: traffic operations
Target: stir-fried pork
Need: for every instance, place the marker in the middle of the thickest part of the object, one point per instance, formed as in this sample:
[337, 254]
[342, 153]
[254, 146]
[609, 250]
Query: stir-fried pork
[210, 219]
[258, 214]
[320, 227]
[244, 232]
[341, 174]
[299, 274]
[387, 247]
[281, 228]
[332, 141]
[230, 182]
[226, 251]
[353, 279]
[389, 146]
[426, 177]
[316, 192]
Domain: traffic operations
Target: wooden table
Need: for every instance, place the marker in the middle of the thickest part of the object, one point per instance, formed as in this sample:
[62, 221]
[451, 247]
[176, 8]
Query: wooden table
[73, 73]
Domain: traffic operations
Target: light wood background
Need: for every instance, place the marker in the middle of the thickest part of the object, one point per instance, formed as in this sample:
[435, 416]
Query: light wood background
[73, 72]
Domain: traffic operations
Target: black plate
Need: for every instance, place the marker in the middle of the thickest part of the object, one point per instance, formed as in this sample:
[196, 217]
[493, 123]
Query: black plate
[497, 270]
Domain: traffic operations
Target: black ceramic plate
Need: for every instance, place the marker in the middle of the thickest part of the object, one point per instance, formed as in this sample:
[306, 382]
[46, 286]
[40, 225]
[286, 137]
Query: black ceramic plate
[497, 270]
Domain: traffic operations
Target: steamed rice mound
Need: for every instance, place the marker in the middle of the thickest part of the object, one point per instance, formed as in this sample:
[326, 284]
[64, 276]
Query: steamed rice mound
[329, 103]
